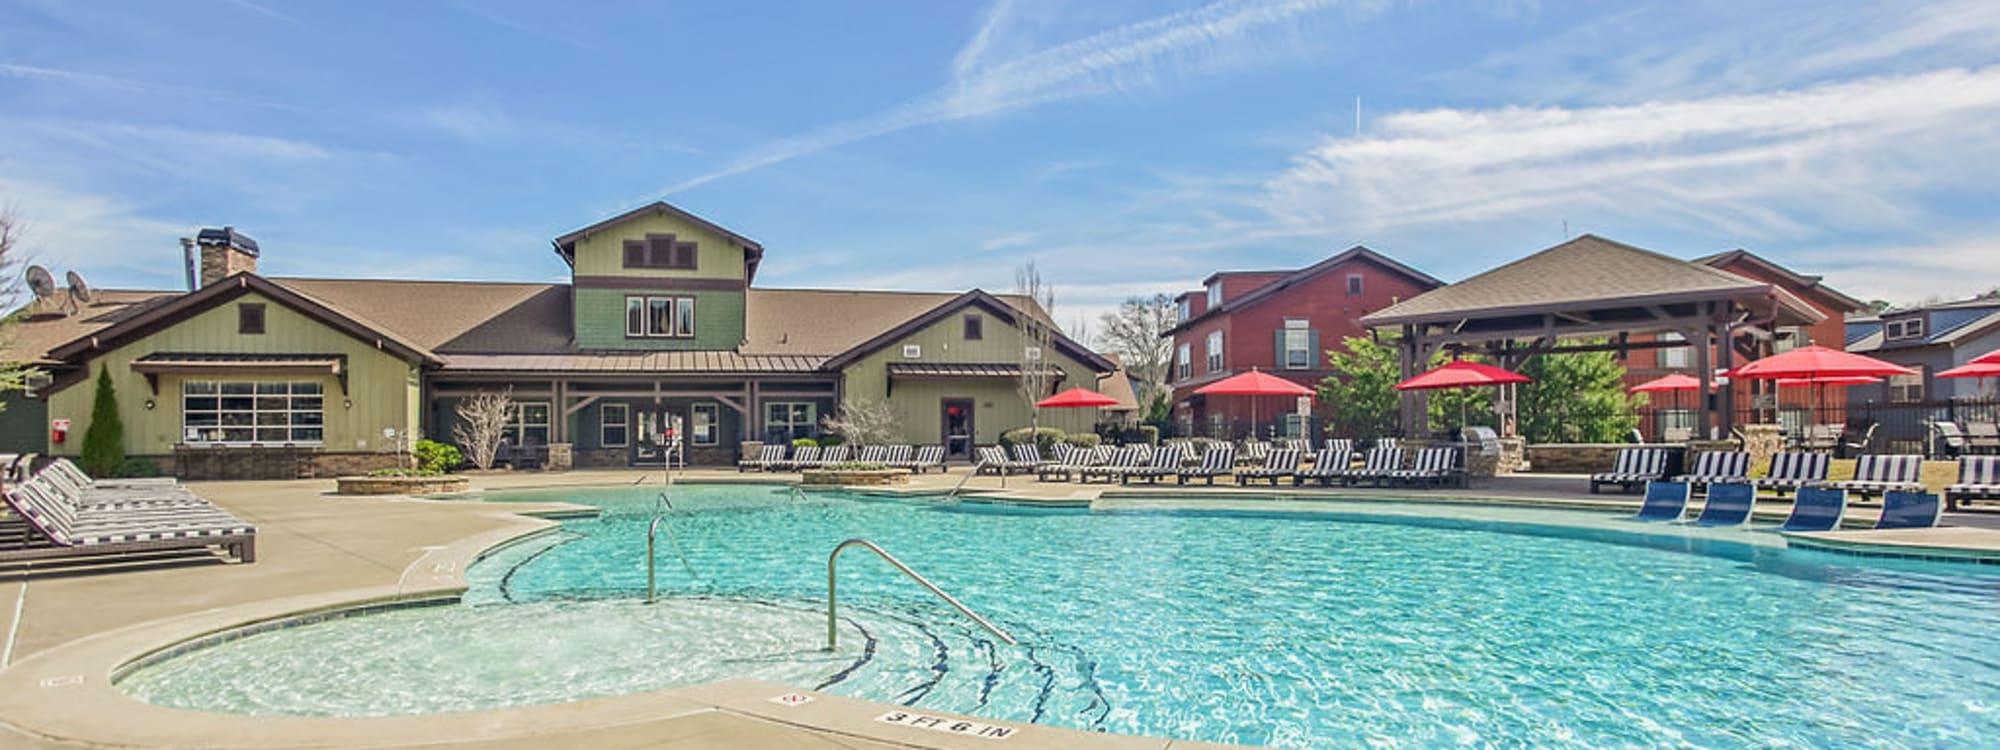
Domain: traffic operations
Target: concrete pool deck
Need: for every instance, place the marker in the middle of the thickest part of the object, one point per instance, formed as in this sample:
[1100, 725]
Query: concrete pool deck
[67, 629]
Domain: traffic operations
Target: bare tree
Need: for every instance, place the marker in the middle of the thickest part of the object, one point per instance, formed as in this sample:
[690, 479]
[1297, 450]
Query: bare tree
[864, 421]
[482, 424]
[1037, 334]
[13, 375]
[1137, 332]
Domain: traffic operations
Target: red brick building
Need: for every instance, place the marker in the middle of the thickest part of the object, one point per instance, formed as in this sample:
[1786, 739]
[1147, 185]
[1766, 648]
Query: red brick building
[1280, 322]
[1792, 406]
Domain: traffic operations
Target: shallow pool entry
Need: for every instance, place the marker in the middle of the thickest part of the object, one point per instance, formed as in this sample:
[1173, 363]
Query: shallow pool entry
[1239, 627]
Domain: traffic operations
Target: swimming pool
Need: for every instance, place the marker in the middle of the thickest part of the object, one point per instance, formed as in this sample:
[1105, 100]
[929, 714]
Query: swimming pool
[1379, 624]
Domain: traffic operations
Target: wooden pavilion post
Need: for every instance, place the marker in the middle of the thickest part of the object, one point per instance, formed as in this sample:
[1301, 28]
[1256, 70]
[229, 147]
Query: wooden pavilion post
[1407, 401]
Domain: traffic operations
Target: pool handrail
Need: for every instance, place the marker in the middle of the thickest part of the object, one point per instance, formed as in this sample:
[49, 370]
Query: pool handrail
[833, 620]
[976, 468]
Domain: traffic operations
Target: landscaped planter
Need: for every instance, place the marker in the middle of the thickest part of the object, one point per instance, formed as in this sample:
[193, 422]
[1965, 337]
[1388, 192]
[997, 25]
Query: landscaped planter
[435, 485]
[857, 477]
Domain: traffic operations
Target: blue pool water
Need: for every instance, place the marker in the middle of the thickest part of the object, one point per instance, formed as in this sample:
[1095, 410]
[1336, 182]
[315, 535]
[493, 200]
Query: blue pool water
[1355, 627]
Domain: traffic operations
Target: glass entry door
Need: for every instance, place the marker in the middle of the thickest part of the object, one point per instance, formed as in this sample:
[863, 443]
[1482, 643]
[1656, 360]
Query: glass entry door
[660, 432]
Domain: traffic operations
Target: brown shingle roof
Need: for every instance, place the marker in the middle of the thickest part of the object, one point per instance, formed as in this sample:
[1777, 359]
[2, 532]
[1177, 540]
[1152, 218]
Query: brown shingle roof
[453, 316]
[1586, 270]
[41, 329]
[829, 321]
[625, 362]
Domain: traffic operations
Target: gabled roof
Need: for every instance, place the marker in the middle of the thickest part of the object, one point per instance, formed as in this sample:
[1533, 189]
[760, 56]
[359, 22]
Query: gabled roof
[753, 252]
[975, 298]
[454, 316]
[163, 315]
[1812, 283]
[1586, 271]
[1282, 283]
[49, 323]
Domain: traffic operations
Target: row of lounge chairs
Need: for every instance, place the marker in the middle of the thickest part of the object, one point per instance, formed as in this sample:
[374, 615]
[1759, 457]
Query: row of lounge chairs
[773, 457]
[1981, 438]
[60, 512]
[1431, 467]
[1813, 508]
[1874, 474]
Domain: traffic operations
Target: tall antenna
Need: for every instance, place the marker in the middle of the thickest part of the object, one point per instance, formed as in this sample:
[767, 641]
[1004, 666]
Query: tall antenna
[1565, 229]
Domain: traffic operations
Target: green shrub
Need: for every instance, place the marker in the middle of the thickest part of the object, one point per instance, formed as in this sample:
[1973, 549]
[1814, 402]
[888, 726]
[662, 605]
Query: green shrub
[1083, 439]
[1044, 439]
[136, 468]
[435, 457]
[804, 443]
[1149, 434]
[828, 440]
[104, 441]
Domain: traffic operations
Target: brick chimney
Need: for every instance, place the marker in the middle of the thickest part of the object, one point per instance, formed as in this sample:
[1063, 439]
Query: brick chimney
[224, 253]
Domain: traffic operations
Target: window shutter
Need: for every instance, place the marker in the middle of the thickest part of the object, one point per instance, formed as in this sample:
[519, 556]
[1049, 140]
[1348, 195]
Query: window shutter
[635, 254]
[1315, 356]
[1278, 347]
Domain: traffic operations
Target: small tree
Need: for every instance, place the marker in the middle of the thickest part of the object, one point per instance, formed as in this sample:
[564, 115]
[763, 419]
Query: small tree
[1137, 332]
[482, 424]
[13, 374]
[864, 421]
[1037, 335]
[104, 441]
[1575, 397]
[1361, 400]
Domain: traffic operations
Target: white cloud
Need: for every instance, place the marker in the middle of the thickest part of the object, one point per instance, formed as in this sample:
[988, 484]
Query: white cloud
[65, 229]
[62, 77]
[1794, 163]
[1012, 239]
[1915, 270]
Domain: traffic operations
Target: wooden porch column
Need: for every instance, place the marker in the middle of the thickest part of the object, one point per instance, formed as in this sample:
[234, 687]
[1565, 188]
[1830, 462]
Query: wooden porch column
[1705, 372]
[1406, 401]
[558, 415]
[1727, 361]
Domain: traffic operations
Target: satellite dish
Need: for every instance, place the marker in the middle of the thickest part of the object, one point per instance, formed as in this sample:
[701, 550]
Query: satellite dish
[79, 292]
[41, 282]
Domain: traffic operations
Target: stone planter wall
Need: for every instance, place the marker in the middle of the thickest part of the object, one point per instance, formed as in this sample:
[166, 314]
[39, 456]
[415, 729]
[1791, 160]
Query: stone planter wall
[857, 478]
[1589, 458]
[438, 485]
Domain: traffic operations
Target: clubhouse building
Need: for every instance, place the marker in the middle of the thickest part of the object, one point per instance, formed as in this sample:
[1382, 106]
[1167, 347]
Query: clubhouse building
[660, 327]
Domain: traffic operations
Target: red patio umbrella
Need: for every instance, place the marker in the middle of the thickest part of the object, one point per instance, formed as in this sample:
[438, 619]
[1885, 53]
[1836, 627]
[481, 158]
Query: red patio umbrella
[1674, 383]
[1461, 374]
[1817, 362]
[1842, 380]
[1989, 358]
[1975, 369]
[1076, 398]
[1254, 383]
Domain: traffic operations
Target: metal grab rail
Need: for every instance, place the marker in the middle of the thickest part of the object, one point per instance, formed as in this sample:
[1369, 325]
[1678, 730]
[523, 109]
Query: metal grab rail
[976, 468]
[832, 621]
[652, 533]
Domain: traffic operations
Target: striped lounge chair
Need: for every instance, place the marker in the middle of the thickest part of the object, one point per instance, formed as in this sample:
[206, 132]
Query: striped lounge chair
[1219, 460]
[1434, 467]
[768, 455]
[1069, 460]
[1028, 457]
[873, 454]
[927, 457]
[1877, 473]
[1727, 504]
[1982, 438]
[1328, 465]
[1278, 464]
[1665, 501]
[1253, 453]
[1124, 459]
[803, 457]
[1794, 470]
[1387, 442]
[829, 456]
[1339, 444]
[1816, 509]
[45, 526]
[1380, 464]
[994, 460]
[1633, 468]
[899, 456]
[1978, 479]
[1718, 467]
[1166, 462]
[1909, 510]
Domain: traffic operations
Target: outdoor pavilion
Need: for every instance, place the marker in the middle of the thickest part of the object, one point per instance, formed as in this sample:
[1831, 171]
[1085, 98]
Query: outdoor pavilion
[1593, 294]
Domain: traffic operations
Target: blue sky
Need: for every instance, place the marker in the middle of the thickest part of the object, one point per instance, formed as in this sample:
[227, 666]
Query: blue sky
[1126, 146]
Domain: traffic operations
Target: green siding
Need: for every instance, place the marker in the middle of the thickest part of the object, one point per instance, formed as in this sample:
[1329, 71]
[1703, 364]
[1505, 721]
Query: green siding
[603, 254]
[24, 424]
[382, 387]
[997, 403]
[600, 321]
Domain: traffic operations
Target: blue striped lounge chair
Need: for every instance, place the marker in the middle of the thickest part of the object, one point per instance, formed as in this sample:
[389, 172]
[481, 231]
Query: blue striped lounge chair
[898, 456]
[1329, 464]
[52, 528]
[989, 459]
[1909, 510]
[1793, 470]
[1978, 479]
[1029, 458]
[1727, 504]
[1166, 462]
[1125, 458]
[803, 457]
[1253, 453]
[1377, 467]
[1634, 467]
[768, 455]
[1665, 501]
[830, 455]
[1219, 460]
[1278, 464]
[1068, 458]
[1434, 467]
[1718, 467]
[1387, 442]
[1816, 509]
[873, 454]
[1876, 473]
[925, 458]
[1339, 444]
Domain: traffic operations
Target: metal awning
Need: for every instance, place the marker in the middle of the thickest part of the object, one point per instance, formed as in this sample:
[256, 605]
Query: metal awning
[205, 364]
[912, 370]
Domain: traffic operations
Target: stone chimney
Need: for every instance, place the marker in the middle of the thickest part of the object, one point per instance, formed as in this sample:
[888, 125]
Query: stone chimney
[225, 252]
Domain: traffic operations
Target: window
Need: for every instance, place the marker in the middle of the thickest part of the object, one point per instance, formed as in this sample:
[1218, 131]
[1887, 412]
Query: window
[1354, 285]
[660, 251]
[1295, 425]
[1214, 351]
[1907, 328]
[1215, 295]
[1677, 419]
[1674, 358]
[974, 328]
[912, 351]
[250, 319]
[530, 425]
[614, 425]
[1184, 309]
[788, 420]
[1032, 354]
[1216, 427]
[1297, 342]
[1182, 356]
[702, 428]
[1907, 389]
[268, 412]
[659, 317]
[1787, 339]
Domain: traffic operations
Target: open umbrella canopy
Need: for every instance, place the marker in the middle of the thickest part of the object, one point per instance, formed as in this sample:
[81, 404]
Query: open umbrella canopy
[1076, 398]
[1254, 383]
[1817, 362]
[1989, 358]
[1842, 380]
[1462, 374]
[1975, 369]
[1674, 382]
